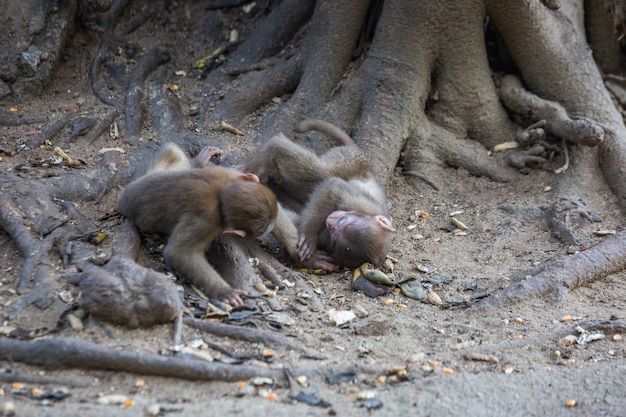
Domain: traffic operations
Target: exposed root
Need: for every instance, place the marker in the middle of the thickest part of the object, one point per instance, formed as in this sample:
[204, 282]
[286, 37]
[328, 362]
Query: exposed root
[37, 257]
[94, 75]
[85, 185]
[27, 207]
[103, 125]
[47, 220]
[49, 132]
[523, 102]
[272, 35]
[11, 119]
[167, 118]
[526, 159]
[312, 87]
[261, 87]
[56, 353]
[123, 292]
[245, 333]
[565, 165]
[438, 146]
[133, 111]
[561, 216]
[560, 275]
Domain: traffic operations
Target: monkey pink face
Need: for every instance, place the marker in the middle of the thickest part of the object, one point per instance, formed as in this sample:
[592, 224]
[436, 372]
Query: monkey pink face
[338, 221]
[357, 238]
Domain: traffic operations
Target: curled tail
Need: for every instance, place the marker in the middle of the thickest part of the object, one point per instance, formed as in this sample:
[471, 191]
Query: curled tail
[327, 129]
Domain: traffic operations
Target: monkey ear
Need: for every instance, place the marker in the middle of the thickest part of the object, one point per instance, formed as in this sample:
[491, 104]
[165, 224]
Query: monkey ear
[385, 223]
[235, 232]
[249, 177]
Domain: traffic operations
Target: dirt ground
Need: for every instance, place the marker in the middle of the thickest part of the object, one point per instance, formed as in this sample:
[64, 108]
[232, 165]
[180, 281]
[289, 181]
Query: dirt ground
[530, 377]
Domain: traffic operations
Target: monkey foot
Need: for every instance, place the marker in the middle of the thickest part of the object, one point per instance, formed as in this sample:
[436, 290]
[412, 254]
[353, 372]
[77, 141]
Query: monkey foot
[208, 152]
[230, 297]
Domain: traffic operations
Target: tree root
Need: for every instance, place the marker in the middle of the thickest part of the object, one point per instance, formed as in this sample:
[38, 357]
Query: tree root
[93, 76]
[133, 112]
[123, 292]
[277, 80]
[272, 35]
[10, 119]
[268, 39]
[561, 215]
[438, 146]
[308, 70]
[84, 185]
[560, 275]
[66, 353]
[49, 132]
[32, 200]
[102, 125]
[245, 333]
[167, 118]
[523, 102]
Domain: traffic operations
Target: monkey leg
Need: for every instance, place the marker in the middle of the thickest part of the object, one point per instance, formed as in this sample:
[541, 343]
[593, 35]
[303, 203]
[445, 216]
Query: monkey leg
[204, 157]
[286, 232]
[295, 170]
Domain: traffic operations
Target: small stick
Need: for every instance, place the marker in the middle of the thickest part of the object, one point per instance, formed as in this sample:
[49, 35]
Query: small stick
[566, 164]
[247, 334]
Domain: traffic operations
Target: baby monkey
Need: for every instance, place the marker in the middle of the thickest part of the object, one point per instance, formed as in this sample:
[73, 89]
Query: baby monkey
[191, 204]
[342, 209]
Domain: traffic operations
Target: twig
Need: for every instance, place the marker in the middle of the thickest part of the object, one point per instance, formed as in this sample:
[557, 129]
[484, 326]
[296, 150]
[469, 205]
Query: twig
[566, 164]
[244, 333]
[177, 330]
[40, 380]
[49, 132]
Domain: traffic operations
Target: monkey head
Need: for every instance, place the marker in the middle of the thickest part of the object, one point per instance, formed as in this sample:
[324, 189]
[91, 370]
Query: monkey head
[247, 208]
[356, 238]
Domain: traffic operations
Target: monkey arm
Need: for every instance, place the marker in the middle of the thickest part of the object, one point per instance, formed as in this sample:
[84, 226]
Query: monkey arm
[286, 232]
[185, 253]
[326, 199]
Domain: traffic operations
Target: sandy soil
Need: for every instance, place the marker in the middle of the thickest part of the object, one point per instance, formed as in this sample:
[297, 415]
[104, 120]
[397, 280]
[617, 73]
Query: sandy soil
[530, 377]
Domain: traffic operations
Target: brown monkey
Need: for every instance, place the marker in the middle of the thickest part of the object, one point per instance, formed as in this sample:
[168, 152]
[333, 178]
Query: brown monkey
[171, 158]
[192, 206]
[341, 207]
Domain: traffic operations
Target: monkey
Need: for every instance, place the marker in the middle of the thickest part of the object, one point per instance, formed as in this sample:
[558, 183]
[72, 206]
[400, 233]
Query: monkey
[340, 207]
[192, 206]
[171, 157]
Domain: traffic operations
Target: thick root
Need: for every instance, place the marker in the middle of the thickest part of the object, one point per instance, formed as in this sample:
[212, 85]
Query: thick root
[560, 275]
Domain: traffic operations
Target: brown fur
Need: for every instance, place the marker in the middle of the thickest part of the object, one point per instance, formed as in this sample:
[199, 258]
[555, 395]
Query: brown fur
[192, 206]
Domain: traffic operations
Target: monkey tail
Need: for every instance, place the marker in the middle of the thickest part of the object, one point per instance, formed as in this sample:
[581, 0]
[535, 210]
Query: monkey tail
[327, 129]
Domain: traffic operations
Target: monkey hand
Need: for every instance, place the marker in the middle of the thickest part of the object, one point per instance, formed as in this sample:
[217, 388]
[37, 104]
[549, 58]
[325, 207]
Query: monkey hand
[229, 296]
[320, 260]
[306, 247]
[205, 155]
